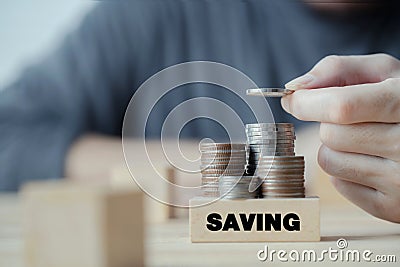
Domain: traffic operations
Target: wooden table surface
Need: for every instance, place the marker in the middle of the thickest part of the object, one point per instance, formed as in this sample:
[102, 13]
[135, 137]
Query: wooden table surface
[168, 244]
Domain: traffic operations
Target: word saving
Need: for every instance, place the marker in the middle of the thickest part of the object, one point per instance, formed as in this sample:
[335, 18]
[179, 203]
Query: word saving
[261, 221]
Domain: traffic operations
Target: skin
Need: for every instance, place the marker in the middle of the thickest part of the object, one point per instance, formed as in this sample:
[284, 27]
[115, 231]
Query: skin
[343, 6]
[357, 101]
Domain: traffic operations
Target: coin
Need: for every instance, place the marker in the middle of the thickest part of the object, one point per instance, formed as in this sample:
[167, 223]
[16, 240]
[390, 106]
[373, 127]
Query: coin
[235, 187]
[223, 172]
[282, 176]
[268, 159]
[223, 166]
[284, 159]
[211, 175]
[231, 164]
[270, 153]
[272, 170]
[221, 146]
[269, 139]
[272, 143]
[275, 174]
[227, 158]
[223, 159]
[222, 153]
[271, 157]
[283, 167]
[261, 143]
[250, 132]
[219, 159]
[266, 129]
[270, 125]
[259, 131]
[210, 183]
[277, 161]
[269, 92]
[261, 148]
[279, 184]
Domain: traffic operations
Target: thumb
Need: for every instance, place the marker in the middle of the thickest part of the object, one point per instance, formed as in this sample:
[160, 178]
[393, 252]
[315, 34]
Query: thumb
[333, 71]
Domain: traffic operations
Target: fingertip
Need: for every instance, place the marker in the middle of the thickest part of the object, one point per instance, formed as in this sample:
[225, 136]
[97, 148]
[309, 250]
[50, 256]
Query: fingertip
[322, 157]
[285, 103]
[301, 82]
[340, 185]
[334, 181]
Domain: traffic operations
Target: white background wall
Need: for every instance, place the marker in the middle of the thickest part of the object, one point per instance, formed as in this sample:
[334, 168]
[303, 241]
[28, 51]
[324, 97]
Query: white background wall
[31, 28]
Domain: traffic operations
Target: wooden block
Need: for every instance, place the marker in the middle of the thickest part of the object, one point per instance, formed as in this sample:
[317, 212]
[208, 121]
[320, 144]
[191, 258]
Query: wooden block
[255, 220]
[69, 224]
[171, 177]
[154, 211]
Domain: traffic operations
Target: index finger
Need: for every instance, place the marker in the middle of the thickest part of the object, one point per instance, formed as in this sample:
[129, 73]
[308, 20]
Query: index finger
[378, 102]
[347, 70]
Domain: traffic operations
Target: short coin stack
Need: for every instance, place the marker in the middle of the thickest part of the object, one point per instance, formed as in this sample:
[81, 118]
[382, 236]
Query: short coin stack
[219, 160]
[235, 187]
[272, 158]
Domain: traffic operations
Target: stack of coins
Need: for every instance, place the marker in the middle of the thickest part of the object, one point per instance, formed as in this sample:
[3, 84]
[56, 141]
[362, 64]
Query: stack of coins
[272, 158]
[220, 159]
[236, 187]
[268, 139]
[283, 176]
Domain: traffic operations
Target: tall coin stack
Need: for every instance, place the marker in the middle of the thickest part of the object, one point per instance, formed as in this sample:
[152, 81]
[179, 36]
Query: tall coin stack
[220, 160]
[272, 158]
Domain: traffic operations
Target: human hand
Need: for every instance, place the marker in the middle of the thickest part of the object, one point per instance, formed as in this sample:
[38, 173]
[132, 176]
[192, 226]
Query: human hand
[357, 101]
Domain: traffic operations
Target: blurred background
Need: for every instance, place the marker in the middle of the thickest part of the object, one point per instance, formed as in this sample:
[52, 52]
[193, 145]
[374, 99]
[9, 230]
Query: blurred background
[29, 29]
[100, 58]
[32, 30]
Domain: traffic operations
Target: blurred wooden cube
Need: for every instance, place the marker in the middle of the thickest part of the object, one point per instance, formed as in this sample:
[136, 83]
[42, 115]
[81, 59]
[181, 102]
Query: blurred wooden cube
[154, 211]
[70, 224]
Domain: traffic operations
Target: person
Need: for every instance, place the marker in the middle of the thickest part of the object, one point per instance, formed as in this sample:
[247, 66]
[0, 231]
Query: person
[358, 104]
[85, 85]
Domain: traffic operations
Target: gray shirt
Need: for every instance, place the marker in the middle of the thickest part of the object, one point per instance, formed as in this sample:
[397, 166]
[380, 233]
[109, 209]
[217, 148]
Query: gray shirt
[87, 83]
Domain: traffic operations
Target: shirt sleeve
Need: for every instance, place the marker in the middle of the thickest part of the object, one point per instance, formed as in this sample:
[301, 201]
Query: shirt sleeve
[77, 88]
